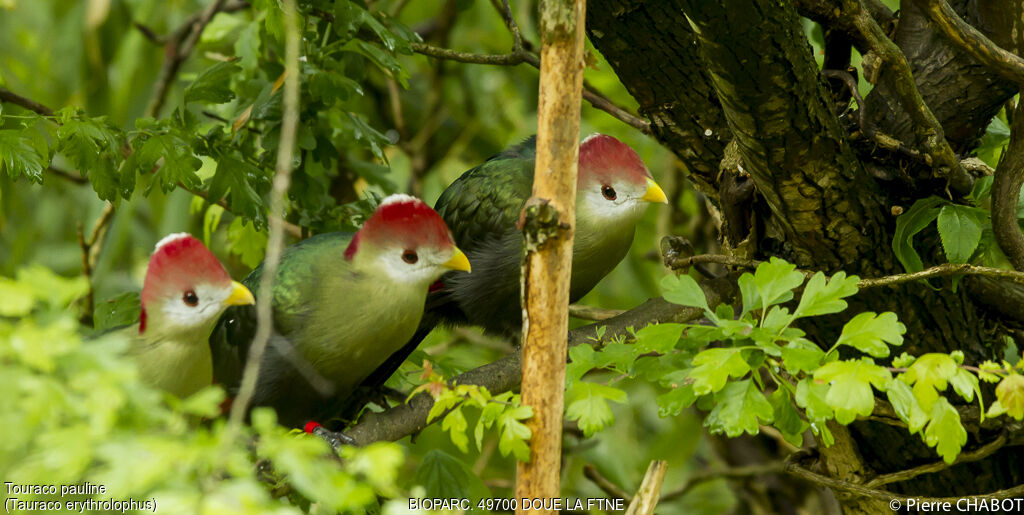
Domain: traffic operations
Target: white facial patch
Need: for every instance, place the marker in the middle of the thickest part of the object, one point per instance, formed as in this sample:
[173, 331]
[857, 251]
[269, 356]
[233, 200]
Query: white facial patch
[177, 313]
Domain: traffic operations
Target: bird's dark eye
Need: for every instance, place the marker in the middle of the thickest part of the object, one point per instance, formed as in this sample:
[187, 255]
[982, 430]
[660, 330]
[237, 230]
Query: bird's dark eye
[608, 192]
[190, 298]
[409, 256]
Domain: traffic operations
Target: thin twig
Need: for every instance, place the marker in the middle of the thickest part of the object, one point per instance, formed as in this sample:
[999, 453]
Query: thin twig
[90, 255]
[521, 56]
[928, 128]
[943, 270]
[292, 229]
[10, 97]
[177, 49]
[795, 469]
[903, 475]
[646, 498]
[275, 239]
[971, 40]
[760, 469]
[605, 484]
[592, 313]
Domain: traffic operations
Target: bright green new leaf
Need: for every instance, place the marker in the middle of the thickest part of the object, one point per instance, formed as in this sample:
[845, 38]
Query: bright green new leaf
[869, 333]
[204, 403]
[944, 431]
[801, 355]
[660, 338]
[960, 231]
[16, 298]
[775, 282]
[748, 292]
[930, 375]
[909, 224]
[713, 367]
[822, 297]
[213, 86]
[683, 290]
[587, 403]
[455, 423]
[1010, 393]
[514, 433]
[738, 407]
[965, 384]
[850, 384]
[906, 405]
[246, 242]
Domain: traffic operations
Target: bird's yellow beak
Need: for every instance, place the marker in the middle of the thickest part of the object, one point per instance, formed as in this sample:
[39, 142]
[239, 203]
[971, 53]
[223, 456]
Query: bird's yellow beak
[240, 295]
[654, 193]
[459, 261]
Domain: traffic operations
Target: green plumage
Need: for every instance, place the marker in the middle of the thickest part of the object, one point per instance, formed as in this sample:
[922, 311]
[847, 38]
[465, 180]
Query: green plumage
[333, 325]
[481, 208]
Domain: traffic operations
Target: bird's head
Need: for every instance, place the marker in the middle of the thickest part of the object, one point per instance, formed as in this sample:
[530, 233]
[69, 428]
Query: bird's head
[407, 241]
[613, 185]
[186, 289]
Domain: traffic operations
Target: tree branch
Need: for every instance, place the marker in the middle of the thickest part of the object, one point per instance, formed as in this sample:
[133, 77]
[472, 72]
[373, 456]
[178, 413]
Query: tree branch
[1006, 184]
[605, 484]
[646, 498]
[90, 255]
[176, 50]
[964, 457]
[972, 41]
[10, 97]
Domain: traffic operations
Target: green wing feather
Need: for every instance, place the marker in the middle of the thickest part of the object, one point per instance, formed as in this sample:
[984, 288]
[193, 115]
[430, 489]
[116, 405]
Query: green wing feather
[485, 201]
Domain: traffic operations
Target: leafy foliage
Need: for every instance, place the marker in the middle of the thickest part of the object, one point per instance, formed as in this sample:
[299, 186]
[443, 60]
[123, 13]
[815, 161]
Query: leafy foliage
[757, 369]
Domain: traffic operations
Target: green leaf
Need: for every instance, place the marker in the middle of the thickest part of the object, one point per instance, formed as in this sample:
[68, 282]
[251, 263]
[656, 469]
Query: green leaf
[213, 86]
[906, 405]
[965, 384]
[801, 355]
[982, 189]
[992, 143]
[673, 402]
[455, 423]
[587, 403]
[822, 297]
[247, 243]
[869, 333]
[850, 382]
[683, 290]
[960, 231]
[236, 178]
[446, 477]
[1010, 394]
[738, 407]
[786, 419]
[930, 375]
[18, 157]
[660, 338]
[748, 292]
[944, 431]
[810, 395]
[247, 47]
[909, 224]
[204, 403]
[118, 311]
[514, 433]
[714, 367]
[775, 282]
[179, 164]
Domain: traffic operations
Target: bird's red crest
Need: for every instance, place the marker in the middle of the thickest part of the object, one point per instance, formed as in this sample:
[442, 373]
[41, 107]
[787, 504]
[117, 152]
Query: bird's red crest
[405, 219]
[178, 264]
[602, 156]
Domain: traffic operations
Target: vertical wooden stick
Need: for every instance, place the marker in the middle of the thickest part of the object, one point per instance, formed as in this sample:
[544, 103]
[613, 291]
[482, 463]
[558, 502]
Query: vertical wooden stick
[647, 497]
[548, 221]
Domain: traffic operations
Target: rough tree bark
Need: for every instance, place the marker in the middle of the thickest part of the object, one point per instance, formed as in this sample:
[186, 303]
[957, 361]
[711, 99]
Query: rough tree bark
[547, 223]
[829, 189]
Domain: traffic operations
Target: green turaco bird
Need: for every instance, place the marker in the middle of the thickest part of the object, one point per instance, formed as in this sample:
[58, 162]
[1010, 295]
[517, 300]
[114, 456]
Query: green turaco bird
[342, 303]
[185, 292]
[482, 207]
